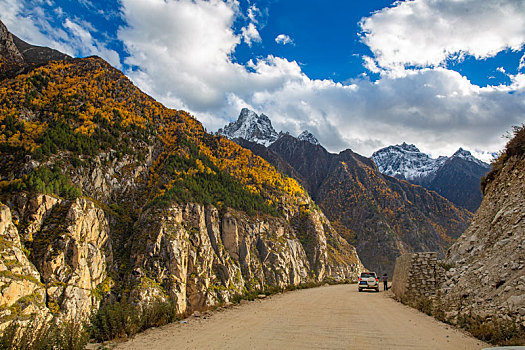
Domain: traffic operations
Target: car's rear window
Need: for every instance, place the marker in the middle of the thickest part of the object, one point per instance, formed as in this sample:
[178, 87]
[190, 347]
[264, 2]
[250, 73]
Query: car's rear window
[366, 274]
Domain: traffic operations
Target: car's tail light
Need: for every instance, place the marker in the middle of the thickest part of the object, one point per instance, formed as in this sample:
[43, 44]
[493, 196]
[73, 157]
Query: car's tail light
[360, 278]
[377, 279]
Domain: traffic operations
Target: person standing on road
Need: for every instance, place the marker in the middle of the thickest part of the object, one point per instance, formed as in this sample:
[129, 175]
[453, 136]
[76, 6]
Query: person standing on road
[385, 281]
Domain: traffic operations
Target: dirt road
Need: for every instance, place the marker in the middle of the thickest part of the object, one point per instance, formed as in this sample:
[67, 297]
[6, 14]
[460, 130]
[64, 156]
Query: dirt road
[330, 317]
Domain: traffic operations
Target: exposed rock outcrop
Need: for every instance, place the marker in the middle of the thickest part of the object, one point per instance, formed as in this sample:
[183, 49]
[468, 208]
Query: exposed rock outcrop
[188, 253]
[488, 274]
[22, 295]
[198, 256]
[68, 243]
[8, 50]
[16, 55]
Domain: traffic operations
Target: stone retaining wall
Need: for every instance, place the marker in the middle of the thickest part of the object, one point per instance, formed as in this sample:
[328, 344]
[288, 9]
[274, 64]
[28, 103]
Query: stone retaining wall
[417, 275]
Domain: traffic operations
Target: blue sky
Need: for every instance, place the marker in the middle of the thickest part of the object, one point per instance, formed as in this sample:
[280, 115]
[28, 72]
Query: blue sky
[312, 25]
[358, 74]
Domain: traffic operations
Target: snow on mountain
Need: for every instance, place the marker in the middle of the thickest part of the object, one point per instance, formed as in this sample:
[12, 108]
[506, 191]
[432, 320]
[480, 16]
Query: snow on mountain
[406, 162]
[251, 127]
[466, 155]
[409, 163]
[308, 136]
[258, 128]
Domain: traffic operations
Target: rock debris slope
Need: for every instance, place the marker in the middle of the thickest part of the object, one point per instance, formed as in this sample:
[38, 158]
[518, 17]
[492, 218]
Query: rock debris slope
[488, 274]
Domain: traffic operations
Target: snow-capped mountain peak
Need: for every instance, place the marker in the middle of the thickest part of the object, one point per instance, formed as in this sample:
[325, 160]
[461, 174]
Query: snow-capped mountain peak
[309, 137]
[251, 127]
[405, 162]
[466, 155]
[409, 148]
[409, 163]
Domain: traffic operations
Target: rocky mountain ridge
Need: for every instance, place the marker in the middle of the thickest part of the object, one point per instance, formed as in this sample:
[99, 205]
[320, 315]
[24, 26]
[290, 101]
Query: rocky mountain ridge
[17, 56]
[406, 162]
[251, 127]
[256, 128]
[456, 178]
[309, 137]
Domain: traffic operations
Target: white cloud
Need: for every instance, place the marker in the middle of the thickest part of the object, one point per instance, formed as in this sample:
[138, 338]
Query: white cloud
[250, 34]
[183, 50]
[283, 39]
[84, 44]
[254, 13]
[370, 64]
[437, 109]
[426, 33]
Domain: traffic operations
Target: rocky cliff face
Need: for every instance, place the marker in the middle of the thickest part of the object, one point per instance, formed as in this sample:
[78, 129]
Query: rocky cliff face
[199, 256]
[22, 295]
[68, 245]
[8, 50]
[192, 254]
[488, 274]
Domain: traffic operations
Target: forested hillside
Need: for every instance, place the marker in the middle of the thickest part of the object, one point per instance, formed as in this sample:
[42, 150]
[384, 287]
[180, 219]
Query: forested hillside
[109, 198]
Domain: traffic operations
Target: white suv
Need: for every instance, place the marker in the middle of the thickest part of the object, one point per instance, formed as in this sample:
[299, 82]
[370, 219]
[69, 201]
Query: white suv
[368, 280]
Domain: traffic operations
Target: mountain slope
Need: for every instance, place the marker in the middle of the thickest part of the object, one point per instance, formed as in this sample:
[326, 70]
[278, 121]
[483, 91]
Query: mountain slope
[115, 197]
[486, 282]
[456, 178]
[311, 161]
[383, 216]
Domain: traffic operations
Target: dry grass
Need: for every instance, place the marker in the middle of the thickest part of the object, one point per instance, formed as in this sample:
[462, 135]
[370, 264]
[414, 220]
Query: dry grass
[54, 336]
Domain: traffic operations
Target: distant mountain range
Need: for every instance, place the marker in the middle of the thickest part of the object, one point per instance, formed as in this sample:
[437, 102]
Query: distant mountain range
[456, 178]
[383, 216]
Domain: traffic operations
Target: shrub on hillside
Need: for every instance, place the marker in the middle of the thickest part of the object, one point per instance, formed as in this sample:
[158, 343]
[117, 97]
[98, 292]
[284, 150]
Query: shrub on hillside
[515, 147]
[121, 320]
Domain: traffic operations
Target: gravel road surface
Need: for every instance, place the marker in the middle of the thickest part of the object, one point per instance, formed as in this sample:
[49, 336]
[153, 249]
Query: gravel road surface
[329, 317]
